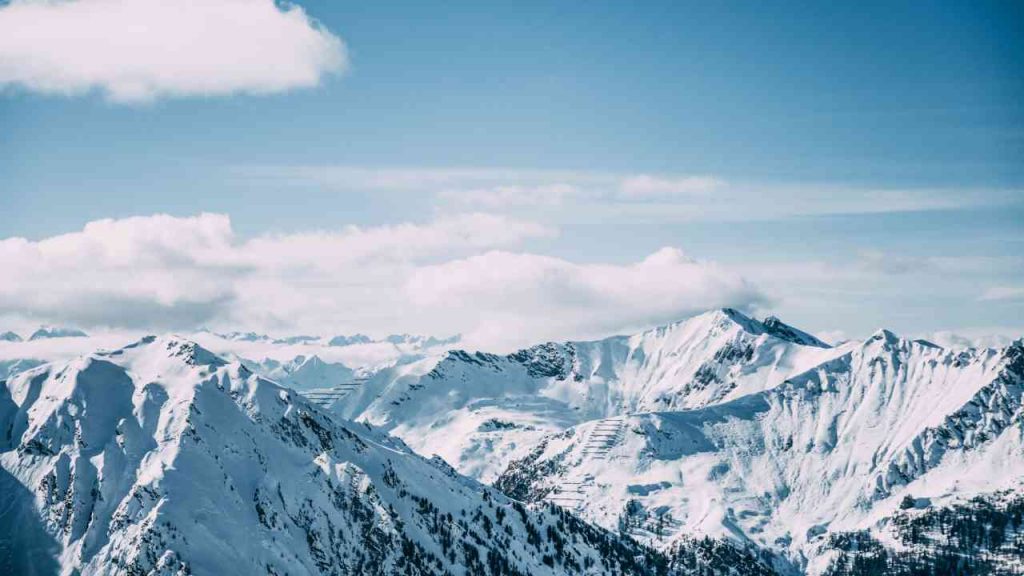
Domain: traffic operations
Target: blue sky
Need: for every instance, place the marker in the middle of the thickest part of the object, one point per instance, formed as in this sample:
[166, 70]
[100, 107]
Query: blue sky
[860, 164]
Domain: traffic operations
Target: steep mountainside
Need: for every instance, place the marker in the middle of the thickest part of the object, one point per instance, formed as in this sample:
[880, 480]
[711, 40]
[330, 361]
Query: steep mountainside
[480, 411]
[300, 362]
[163, 458]
[831, 451]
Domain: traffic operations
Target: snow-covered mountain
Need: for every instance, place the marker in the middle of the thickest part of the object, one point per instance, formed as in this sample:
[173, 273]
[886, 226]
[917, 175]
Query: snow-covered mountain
[9, 368]
[298, 361]
[303, 372]
[163, 458]
[797, 468]
[723, 441]
[480, 411]
[9, 337]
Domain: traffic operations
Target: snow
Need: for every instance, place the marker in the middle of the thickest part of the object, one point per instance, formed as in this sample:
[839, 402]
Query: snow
[480, 411]
[832, 449]
[164, 451]
[164, 458]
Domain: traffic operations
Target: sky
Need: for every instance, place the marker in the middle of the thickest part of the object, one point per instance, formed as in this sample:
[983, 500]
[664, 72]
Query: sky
[512, 171]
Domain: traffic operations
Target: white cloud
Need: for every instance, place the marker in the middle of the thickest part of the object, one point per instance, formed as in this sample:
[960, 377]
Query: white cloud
[506, 294]
[876, 261]
[500, 197]
[1004, 293]
[416, 179]
[599, 195]
[138, 50]
[974, 338]
[647, 186]
[454, 274]
[833, 337]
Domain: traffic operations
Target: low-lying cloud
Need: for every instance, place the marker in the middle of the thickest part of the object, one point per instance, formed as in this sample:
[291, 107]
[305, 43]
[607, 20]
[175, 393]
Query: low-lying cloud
[458, 274]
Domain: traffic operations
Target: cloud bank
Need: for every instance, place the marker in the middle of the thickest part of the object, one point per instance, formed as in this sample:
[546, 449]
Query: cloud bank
[138, 50]
[457, 274]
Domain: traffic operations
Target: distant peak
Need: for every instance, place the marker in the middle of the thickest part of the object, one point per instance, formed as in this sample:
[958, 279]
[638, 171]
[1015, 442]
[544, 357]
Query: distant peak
[45, 332]
[244, 336]
[349, 340]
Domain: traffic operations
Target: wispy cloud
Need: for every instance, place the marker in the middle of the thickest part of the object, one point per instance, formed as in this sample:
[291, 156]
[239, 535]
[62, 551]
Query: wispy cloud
[648, 186]
[640, 196]
[897, 264]
[992, 337]
[139, 50]
[503, 197]
[1003, 293]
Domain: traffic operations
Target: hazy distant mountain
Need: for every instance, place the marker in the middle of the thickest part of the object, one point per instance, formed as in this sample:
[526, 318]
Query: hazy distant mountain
[304, 372]
[349, 340]
[9, 368]
[56, 332]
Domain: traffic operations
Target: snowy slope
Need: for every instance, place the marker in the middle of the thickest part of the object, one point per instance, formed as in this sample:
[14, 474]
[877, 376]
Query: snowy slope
[301, 362]
[163, 458]
[480, 411]
[833, 449]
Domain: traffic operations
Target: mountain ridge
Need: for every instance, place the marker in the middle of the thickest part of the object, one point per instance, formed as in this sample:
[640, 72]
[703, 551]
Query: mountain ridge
[829, 450]
[163, 458]
[452, 405]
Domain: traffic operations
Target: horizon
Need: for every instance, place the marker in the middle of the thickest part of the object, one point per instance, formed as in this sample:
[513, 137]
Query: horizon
[66, 346]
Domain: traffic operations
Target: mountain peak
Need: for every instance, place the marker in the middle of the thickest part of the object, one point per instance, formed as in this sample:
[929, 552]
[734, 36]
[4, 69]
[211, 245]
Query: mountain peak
[45, 332]
[771, 325]
[885, 336]
[159, 356]
[180, 471]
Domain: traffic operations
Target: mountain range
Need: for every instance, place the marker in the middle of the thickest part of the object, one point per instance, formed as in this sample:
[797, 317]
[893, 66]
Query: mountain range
[163, 458]
[720, 443]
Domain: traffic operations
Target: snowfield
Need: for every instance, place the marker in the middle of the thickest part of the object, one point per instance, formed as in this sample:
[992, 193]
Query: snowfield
[834, 449]
[163, 458]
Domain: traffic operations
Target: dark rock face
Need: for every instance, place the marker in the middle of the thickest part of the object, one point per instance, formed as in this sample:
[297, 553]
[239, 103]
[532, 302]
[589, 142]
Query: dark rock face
[549, 360]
